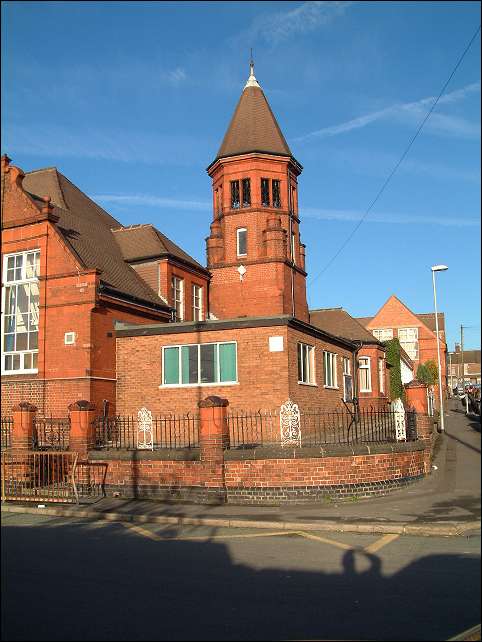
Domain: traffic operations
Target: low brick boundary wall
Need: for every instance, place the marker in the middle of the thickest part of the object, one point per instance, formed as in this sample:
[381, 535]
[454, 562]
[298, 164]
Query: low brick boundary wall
[265, 475]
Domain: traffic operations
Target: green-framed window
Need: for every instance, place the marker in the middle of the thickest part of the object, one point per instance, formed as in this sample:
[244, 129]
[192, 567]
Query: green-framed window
[199, 364]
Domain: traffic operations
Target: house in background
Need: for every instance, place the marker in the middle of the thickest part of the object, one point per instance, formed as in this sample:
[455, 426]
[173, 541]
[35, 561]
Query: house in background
[416, 332]
[70, 272]
[371, 383]
[471, 367]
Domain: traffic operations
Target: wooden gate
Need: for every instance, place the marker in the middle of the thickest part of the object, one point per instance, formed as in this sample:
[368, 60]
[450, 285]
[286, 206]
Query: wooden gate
[35, 476]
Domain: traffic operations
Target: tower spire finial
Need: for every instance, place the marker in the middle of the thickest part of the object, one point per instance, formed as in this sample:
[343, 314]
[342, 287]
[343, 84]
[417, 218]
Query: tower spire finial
[252, 82]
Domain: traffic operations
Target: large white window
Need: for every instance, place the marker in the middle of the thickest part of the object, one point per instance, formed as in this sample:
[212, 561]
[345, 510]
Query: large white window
[199, 364]
[306, 363]
[197, 303]
[365, 374]
[177, 290]
[381, 375]
[242, 241]
[408, 338]
[329, 367]
[383, 334]
[20, 309]
[347, 380]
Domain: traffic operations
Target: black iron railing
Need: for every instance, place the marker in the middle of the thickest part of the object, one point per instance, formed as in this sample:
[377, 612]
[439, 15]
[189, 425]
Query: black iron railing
[168, 431]
[250, 429]
[50, 433]
[6, 431]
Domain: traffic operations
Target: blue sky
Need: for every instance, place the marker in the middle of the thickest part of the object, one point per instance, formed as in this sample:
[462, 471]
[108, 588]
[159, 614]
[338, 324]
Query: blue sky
[130, 100]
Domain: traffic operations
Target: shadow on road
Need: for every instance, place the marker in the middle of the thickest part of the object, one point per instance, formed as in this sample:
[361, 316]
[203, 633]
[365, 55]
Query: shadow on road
[82, 582]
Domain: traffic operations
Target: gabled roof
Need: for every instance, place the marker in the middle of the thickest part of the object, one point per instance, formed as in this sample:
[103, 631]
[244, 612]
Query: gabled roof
[138, 242]
[338, 322]
[86, 227]
[427, 318]
[470, 356]
[253, 127]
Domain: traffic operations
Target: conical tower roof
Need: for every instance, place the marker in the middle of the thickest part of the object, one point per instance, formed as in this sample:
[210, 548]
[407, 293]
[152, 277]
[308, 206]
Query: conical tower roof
[253, 127]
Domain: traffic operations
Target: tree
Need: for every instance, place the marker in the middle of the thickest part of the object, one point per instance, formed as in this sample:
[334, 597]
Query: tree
[428, 372]
[392, 357]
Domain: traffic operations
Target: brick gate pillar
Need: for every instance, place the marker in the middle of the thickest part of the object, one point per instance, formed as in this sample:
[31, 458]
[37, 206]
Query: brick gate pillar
[213, 439]
[23, 426]
[213, 429]
[416, 396]
[82, 431]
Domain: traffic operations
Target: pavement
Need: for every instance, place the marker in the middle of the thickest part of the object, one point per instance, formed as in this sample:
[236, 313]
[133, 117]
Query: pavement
[446, 503]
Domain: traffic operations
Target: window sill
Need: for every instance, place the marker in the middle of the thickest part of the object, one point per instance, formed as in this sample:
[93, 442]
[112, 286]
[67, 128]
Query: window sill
[6, 373]
[199, 385]
[332, 387]
[303, 383]
[365, 391]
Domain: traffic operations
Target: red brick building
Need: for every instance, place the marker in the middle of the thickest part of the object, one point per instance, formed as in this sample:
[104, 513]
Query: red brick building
[260, 346]
[70, 271]
[416, 332]
[240, 329]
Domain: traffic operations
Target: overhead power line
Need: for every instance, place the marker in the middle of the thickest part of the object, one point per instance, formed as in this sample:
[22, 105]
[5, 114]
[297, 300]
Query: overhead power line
[397, 165]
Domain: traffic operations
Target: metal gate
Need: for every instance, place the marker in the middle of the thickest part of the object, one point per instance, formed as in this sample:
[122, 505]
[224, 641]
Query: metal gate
[33, 476]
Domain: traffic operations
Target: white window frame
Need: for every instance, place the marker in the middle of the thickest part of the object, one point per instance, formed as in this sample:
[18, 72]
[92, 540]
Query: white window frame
[414, 355]
[330, 362]
[347, 373]
[241, 229]
[5, 283]
[307, 364]
[197, 310]
[383, 334]
[198, 384]
[381, 375]
[174, 289]
[368, 368]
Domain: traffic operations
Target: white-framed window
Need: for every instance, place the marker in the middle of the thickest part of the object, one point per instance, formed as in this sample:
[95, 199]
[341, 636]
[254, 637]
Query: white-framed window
[293, 247]
[177, 291]
[347, 380]
[200, 364]
[329, 369]
[241, 241]
[197, 303]
[365, 374]
[383, 334]
[306, 363]
[381, 375]
[408, 338]
[20, 311]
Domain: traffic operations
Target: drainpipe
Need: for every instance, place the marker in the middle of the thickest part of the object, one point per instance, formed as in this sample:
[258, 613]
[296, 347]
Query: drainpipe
[359, 345]
[290, 241]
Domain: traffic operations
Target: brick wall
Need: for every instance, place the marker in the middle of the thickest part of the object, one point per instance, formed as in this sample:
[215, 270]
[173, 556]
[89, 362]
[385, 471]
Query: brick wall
[265, 481]
[266, 287]
[265, 379]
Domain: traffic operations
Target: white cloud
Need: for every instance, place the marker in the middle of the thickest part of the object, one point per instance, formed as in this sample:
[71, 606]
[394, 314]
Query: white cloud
[127, 146]
[176, 76]
[152, 201]
[412, 111]
[277, 27]
[389, 218]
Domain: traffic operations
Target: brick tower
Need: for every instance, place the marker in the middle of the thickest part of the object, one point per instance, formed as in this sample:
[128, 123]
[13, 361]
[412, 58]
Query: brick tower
[254, 252]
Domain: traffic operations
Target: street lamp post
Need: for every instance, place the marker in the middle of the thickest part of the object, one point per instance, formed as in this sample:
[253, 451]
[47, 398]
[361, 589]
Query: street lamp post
[438, 268]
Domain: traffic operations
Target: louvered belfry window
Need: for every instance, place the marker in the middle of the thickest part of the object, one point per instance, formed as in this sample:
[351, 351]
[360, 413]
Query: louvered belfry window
[246, 192]
[234, 195]
[265, 192]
